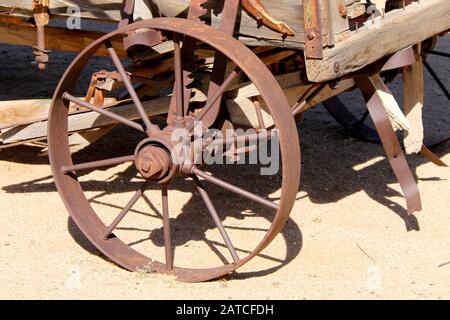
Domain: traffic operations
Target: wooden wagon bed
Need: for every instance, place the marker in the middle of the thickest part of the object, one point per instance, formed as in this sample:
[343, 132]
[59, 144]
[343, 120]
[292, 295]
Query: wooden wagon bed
[344, 50]
[250, 33]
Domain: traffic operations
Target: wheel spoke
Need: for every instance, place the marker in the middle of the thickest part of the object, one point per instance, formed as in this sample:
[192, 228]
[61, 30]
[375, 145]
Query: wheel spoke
[126, 80]
[259, 114]
[109, 114]
[362, 120]
[96, 164]
[125, 210]
[209, 205]
[242, 139]
[439, 53]
[213, 99]
[166, 226]
[234, 189]
[179, 86]
[309, 95]
[436, 78]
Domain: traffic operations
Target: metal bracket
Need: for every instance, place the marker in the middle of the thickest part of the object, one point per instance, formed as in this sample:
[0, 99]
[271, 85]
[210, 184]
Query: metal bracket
[313, 29]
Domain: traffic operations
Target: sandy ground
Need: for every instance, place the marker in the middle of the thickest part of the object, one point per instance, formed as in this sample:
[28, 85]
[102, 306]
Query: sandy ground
[348, 237]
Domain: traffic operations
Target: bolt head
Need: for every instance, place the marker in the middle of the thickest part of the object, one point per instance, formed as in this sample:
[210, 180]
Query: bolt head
[337, 67]
[311, 35]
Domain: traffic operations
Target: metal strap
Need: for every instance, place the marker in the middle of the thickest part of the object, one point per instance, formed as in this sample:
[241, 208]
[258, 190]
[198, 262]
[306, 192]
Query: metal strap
[390, 143]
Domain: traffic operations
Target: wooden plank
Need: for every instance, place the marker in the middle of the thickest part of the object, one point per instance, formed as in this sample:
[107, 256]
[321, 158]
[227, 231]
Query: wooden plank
[15, 113]
[90, 9]
[339, 24]
[413, 88]
[399, 29]
[85, 121]
[16, 31]
[21, 111]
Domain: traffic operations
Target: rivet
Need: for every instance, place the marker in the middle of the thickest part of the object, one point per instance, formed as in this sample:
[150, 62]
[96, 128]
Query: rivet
[311, 35]
[337, 67]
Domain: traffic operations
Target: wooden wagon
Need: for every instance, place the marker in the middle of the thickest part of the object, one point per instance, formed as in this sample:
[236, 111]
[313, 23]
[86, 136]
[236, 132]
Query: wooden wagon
[186, 67]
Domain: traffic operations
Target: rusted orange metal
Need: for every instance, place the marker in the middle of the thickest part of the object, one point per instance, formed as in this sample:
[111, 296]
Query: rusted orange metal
[313, 29]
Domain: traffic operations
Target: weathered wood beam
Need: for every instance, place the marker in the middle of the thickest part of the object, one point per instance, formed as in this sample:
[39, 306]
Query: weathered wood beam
[90, 9]
[83, 121]
[413, 88]
[399, 29]
[17, 31]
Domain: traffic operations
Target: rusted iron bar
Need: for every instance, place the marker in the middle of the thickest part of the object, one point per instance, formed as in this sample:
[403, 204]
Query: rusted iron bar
[97, 164]
[130, 123]
[233, 188]
[150, 127]
[213, 212]
[213, 99]
[125, 210]
[313, 29]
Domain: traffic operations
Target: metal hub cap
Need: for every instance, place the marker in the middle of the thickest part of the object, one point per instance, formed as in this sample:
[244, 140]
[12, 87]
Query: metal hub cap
[153, 162]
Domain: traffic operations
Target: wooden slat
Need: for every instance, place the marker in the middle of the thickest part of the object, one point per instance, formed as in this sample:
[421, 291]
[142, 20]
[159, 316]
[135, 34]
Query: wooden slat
[16, 31]
[108, 10]
[84, 121]
[399, 29]
[413, 86]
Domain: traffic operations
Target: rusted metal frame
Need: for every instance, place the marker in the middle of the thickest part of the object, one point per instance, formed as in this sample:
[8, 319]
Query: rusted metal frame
[390, 144]
[313, 29]
[41, 15]
[229, 17]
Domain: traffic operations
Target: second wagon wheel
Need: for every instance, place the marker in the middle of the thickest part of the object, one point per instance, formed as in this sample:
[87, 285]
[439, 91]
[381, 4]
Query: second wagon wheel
[141, 228]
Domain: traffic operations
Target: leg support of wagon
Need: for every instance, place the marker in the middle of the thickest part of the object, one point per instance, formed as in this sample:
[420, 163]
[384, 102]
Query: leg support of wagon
[371, 86]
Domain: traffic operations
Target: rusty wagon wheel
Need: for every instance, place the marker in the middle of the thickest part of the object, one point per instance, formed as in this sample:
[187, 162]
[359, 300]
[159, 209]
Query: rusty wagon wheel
[159, 167]
[358, 125]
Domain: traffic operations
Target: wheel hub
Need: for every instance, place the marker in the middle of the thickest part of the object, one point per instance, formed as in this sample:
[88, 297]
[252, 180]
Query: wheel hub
[153, 162]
